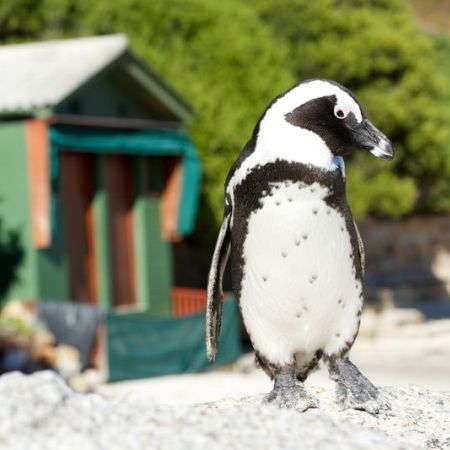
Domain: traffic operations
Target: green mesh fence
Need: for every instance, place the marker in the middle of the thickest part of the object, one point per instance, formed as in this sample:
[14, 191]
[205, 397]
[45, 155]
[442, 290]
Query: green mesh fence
[141, 346]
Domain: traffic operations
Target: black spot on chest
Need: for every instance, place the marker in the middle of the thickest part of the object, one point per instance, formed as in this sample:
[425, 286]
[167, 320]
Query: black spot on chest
[248, 193]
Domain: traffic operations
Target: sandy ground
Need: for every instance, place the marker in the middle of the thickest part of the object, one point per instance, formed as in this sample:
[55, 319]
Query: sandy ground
[413, 354]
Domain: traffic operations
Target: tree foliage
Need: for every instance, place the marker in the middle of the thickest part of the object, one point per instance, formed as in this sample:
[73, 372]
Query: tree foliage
[229, 59]
[375, 49]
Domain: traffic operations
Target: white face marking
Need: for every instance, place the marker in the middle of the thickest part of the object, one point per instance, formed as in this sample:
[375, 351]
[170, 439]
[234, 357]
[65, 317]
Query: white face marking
[299, 291]
[278, 139]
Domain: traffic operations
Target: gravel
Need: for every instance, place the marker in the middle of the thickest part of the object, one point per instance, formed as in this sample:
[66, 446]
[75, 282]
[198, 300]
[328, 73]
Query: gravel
[40, 412]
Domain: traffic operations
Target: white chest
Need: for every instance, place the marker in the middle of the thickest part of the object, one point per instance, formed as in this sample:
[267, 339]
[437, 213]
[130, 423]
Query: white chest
[299, 291]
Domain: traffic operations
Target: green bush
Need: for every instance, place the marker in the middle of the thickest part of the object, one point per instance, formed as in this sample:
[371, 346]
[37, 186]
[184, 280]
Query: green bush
[375, 49]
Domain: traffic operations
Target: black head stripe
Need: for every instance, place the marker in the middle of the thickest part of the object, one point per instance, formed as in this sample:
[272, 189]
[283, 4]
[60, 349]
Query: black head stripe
[317, 115]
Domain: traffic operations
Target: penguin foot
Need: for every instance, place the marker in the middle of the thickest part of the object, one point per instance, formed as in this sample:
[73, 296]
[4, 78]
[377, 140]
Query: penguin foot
[354, 390]
[291, 397]
[288, 392]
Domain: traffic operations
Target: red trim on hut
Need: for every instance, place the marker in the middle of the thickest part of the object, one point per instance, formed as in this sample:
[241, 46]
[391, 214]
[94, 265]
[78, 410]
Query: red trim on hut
[170, 202]
[39, 181]
[187, 301]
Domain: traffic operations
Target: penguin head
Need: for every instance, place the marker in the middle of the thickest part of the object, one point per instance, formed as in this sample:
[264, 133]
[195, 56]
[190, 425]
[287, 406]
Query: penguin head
[315, 122]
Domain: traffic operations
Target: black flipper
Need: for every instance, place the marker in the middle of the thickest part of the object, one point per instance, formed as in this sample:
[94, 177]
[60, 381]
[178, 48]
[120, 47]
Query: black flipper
[215, 292]
[362, 255]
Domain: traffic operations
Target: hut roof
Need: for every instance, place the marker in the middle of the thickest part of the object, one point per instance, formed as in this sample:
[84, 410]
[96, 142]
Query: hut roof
[38, 76]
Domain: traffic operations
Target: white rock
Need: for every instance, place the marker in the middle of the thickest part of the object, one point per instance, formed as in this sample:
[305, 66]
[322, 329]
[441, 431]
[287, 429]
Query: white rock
[68, 361]
[41, 412]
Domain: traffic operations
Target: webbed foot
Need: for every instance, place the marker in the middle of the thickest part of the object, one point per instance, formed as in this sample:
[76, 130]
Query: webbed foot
[354, 390]
[289, 393]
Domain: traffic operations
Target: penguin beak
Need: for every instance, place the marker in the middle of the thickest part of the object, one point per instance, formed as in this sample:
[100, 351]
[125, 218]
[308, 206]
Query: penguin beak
[372, 139]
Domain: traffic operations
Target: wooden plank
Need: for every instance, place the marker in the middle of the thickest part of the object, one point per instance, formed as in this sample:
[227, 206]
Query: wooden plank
[171, 198]
[39, 176]
[102, 250]
[119, 182]
[91, 265]
[159, 250]
[78, 190]
[142, 228]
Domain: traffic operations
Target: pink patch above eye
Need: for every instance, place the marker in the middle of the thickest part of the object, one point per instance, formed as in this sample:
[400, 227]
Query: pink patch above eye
[342, 111]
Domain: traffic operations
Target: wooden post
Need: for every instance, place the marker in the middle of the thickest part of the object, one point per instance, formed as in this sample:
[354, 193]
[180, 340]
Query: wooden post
[39, 175]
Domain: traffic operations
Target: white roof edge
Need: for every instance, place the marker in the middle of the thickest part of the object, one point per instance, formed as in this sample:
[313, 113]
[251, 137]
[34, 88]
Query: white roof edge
[41, 74]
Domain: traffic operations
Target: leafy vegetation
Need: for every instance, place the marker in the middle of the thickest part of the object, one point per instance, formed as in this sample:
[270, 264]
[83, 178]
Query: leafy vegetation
[231, 58]
[376, 50]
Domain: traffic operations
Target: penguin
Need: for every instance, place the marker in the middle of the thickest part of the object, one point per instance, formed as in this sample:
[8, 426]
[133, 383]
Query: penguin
[296, 256]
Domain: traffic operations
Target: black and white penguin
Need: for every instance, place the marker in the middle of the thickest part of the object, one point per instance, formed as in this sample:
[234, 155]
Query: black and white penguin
[297, 259]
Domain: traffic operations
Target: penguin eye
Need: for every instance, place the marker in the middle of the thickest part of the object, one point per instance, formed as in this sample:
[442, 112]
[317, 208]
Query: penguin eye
[341, 113]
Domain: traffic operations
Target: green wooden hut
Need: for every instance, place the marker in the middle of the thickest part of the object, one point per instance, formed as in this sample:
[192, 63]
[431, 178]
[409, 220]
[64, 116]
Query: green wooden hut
[99, 177]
